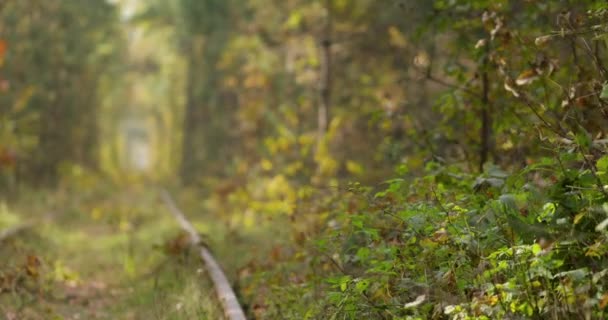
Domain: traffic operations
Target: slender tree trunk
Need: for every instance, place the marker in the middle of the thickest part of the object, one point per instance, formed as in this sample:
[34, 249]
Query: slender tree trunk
[486, 117]
[203, 124]
[189, 124]
[326, 73]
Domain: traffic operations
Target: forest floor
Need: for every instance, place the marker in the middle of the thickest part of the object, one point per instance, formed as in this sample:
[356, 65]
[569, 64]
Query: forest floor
[114, 255]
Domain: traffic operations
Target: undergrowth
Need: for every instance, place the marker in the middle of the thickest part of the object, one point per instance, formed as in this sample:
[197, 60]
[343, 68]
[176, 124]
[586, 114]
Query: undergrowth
[451, 245]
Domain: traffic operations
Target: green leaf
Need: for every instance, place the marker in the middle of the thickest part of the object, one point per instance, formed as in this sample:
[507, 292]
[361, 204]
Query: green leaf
[577, 274]
[363, 253]
[361, 286]
[548, 211]
[344, 283]
[602, 164]
[604, 94]
[583, 139]
[509, 203]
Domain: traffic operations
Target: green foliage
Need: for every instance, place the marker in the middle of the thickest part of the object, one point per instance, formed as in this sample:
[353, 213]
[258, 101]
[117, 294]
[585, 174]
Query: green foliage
[523, 239]
[55, 55]
[451, 244]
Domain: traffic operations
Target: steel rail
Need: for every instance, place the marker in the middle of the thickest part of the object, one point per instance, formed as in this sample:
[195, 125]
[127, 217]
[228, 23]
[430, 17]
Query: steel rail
[12, 231]
[230, 304]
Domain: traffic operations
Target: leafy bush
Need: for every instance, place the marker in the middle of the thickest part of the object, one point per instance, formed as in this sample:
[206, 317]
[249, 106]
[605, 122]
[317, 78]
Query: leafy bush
[454, 245]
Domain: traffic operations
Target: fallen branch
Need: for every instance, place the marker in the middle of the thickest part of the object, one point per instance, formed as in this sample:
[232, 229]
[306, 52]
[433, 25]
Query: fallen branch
[230, 304]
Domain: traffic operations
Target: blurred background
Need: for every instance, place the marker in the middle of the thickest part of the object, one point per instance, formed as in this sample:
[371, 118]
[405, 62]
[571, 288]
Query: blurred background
[202, 91]
[214, 93]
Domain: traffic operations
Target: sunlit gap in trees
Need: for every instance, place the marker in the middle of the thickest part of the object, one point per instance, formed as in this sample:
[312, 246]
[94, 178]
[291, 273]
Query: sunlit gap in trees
[136, 145]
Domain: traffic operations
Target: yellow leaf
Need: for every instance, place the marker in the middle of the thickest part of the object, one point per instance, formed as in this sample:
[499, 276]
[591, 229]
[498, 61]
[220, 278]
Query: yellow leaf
[542, 40]
[231, 82]
[32, 265]
[604, 301]
[594, 250]
[354, 168]
[428, 243]
[266, 165]
[578, 217]
[341, 4]
[294, 20]
[255, 81]
[509, 87]
[124, 226]
[293, 168]
[23, 98]
[440, 236]
[507, 145]
[397, 38]
[481, 43]
[527, 77]
[422, 60]
[96, 214]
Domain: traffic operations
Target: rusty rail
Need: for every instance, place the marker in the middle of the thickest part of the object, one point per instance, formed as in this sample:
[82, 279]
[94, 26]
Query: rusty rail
[230, 304]
[12, 231]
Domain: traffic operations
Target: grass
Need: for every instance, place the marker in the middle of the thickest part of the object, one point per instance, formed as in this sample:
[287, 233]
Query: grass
[99, 255]
[109, 253]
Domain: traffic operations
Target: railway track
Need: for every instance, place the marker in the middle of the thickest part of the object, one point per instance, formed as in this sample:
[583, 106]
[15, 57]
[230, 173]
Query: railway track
[13, 231]
[231, 308]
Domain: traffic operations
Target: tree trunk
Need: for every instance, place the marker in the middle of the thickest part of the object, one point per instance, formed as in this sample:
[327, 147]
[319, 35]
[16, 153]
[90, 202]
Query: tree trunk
[191, 115]
[326, 73]
[486, 117]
